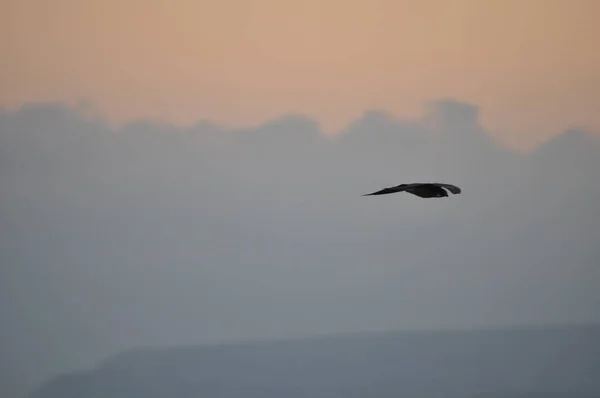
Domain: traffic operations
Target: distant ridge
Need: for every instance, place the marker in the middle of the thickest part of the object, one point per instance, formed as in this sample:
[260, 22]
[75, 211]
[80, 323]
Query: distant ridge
[530, 361]
[516, 328]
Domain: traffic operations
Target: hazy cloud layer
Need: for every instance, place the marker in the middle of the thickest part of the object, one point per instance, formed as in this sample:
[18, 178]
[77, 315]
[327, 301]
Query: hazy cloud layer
[152, 234]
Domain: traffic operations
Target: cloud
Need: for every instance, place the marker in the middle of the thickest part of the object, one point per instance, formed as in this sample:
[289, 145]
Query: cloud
[153, 234]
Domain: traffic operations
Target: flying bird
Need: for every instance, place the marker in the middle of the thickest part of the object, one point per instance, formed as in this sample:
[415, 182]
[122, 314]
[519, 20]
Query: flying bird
[421, 189]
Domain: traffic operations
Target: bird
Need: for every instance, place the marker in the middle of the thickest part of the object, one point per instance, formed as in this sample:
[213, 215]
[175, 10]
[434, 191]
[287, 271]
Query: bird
[421, 189]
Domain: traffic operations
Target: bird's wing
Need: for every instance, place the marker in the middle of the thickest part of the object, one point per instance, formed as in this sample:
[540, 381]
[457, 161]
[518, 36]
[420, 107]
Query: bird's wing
[384, 191]
[452, 188]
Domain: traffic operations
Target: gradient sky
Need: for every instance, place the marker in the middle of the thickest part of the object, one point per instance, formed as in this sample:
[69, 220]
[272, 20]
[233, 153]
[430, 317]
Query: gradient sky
[531, 65]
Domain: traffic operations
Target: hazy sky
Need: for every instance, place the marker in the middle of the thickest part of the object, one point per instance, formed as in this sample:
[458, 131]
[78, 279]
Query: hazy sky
[532, 65]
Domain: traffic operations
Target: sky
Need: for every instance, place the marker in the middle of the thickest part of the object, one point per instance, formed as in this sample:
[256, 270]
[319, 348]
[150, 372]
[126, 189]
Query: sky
[187, 172]
[531, 65]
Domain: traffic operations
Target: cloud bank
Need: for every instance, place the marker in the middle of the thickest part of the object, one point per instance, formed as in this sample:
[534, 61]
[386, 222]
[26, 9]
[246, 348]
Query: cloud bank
[151, 234]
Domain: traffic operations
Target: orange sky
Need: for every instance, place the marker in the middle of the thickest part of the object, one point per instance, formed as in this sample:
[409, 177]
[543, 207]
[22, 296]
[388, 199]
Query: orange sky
[532, 65]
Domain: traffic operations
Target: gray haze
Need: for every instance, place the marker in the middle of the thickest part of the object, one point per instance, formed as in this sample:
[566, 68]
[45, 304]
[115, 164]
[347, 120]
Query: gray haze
[156, 235]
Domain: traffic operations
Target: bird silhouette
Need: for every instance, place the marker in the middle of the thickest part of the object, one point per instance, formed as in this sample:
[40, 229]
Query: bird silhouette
[421, 189]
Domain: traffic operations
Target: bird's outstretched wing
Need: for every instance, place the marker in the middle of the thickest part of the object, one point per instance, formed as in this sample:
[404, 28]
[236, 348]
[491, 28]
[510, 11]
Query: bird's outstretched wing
[418, 187]
[398, 188]
[452, 188]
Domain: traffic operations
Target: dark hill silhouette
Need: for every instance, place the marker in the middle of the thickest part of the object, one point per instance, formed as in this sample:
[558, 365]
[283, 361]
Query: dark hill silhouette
[530, 362]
